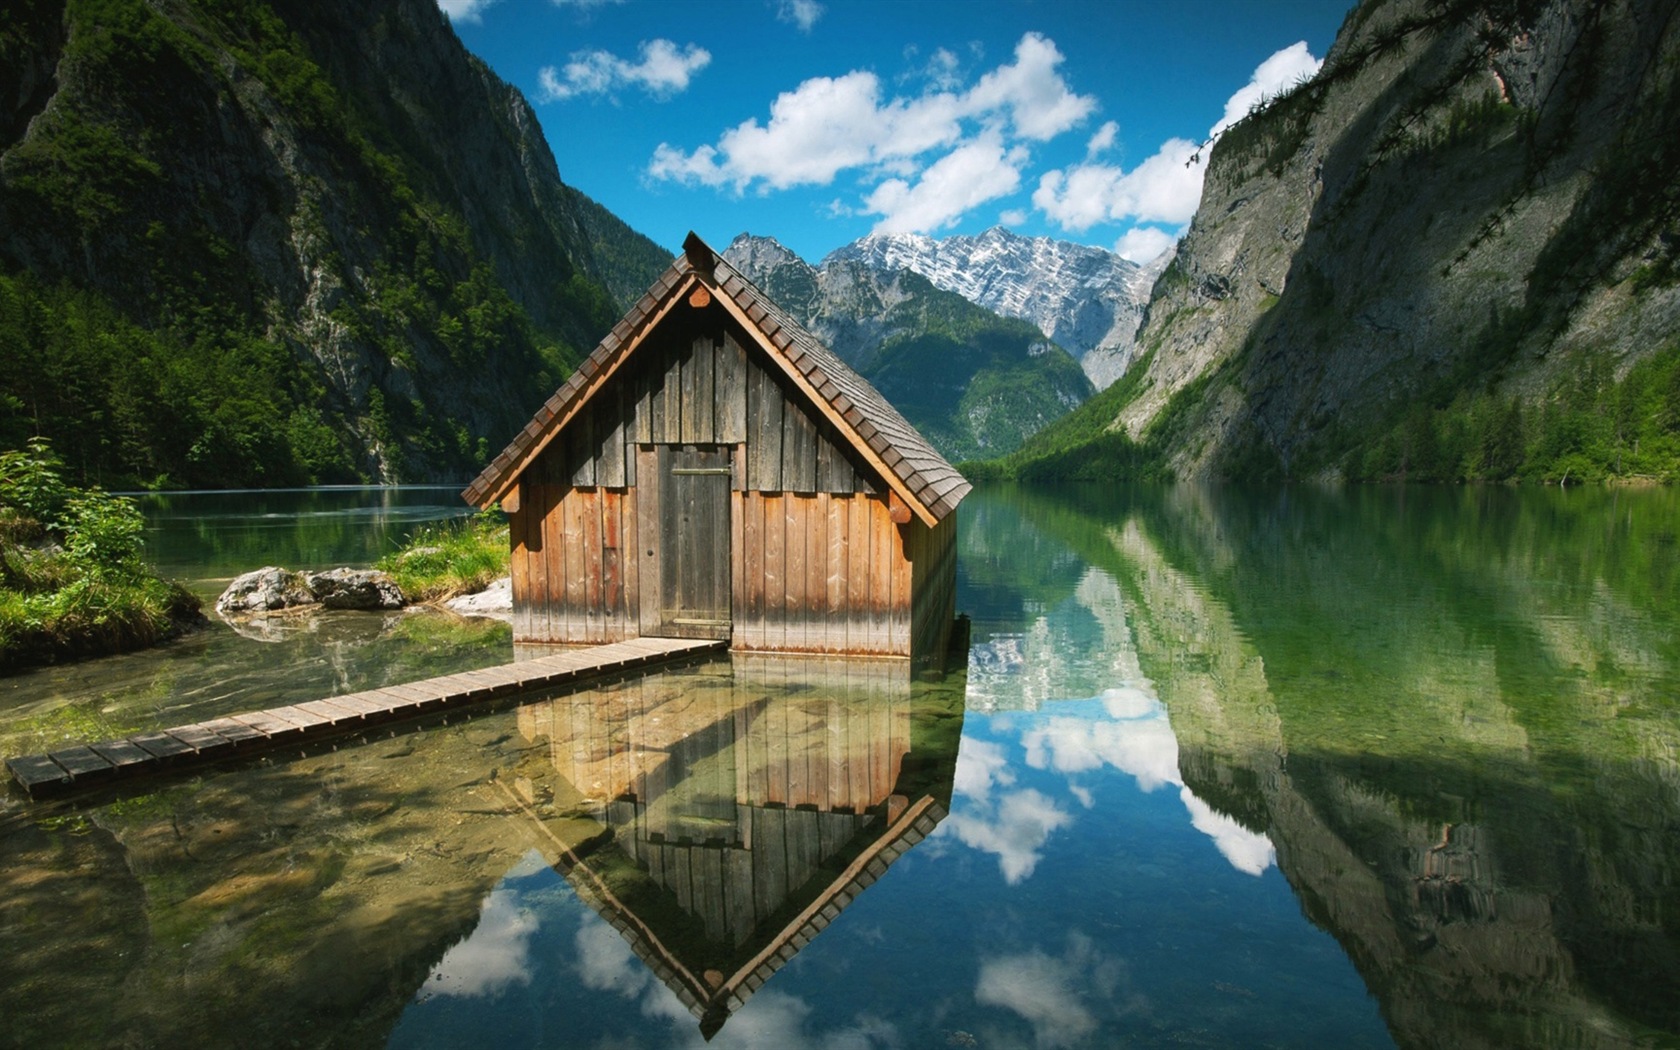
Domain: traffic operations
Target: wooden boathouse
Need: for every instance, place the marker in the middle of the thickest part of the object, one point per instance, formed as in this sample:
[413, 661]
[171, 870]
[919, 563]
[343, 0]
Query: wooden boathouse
[712, 470]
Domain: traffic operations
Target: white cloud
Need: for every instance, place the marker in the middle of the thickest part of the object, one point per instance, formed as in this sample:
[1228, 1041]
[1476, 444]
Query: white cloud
[493, 957]
[1143, 244]
[1014, 831]
[930, 157]
[963, 179]
[1166, 187]
[1055, 994]
[663, 70]
[821, 127]
[1043, 990]
[1248, 851]
[1035, 96]
[1103, 140]
[1282, 71]
[605, 962]
[1013, 217]
[980, 764]
[464, 11]
[801, 13]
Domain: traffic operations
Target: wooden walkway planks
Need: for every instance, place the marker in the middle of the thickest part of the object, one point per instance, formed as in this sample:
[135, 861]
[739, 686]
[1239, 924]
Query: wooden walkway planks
[84, 765]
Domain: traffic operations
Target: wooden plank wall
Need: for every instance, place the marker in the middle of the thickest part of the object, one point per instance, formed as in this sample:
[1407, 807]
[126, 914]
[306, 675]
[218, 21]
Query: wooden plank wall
[573, 559]
[820, 574]
[933, 586]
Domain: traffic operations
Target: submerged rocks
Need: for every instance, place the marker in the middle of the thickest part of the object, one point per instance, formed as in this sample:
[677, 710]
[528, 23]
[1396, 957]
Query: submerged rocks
[271, 589]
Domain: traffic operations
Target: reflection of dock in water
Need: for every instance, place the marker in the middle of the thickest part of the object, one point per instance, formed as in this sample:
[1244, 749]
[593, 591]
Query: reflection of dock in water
[743, 812]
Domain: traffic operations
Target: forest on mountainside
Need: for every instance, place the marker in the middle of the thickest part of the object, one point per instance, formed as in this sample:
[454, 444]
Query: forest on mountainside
[266, 243]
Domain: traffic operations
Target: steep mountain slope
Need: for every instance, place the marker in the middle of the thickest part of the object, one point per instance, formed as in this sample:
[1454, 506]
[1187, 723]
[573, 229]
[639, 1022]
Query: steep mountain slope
[976, 384]
[1088, 300]
[1453, 254]
[277, 242]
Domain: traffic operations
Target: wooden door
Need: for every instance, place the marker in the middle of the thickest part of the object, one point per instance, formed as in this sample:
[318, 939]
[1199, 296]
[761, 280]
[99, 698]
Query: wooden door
[691, 549]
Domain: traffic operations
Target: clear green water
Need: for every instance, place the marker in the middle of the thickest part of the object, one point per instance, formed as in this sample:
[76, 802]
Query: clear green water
[1370, 768]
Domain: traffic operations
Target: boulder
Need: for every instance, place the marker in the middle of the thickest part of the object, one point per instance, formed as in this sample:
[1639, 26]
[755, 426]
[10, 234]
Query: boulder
[355, 589]
[494, 601]
[264, 590]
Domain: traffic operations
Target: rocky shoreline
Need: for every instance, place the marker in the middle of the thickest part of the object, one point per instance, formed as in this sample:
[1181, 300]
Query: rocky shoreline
[272, 589]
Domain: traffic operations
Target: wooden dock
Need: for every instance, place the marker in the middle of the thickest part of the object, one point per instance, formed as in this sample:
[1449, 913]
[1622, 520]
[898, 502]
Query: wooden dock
[84, 765]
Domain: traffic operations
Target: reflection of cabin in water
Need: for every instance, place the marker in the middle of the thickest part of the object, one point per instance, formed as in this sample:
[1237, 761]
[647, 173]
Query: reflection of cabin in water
[745, 810]
[713, 471]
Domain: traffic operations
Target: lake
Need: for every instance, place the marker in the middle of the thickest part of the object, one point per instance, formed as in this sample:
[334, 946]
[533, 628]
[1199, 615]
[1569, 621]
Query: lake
[1294, 768]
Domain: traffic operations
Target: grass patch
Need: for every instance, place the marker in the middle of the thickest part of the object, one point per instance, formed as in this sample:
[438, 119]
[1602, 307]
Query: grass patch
[458, 557]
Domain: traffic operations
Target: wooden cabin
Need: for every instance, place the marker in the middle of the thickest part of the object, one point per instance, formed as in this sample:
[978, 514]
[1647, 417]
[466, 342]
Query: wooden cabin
[713, 471]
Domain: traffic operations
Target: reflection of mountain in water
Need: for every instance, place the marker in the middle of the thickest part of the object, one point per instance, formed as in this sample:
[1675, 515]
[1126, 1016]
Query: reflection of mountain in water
[743, 813]
[1448, 720]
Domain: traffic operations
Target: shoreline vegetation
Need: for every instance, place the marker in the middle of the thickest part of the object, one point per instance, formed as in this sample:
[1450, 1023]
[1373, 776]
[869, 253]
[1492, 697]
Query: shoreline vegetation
[450, 559]
[1594, 427]
[72, 580]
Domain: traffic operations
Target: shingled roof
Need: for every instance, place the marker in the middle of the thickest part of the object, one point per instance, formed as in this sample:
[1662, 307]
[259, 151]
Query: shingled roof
[911, 467]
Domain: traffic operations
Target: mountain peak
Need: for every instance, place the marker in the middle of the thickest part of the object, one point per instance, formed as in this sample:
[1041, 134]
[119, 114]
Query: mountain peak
[1087, 299]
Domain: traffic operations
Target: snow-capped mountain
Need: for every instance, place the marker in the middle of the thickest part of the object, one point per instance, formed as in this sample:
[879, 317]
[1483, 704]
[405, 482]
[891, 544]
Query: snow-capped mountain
[1086, 299]
[975, 382]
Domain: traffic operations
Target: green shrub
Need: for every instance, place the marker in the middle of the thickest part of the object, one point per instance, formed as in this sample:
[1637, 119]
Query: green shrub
[85, 591]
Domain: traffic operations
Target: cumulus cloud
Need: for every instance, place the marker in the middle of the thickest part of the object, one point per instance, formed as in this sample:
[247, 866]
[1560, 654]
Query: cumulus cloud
[605, 962]
[961, 180]
[1166, 187]
[1247, 851]
[800, 13]
[495, 956]
[1031, 91]
[1055, 993]
[464, 11]
[662, 70]
[931, 157]
[1103, 140]
[980, 765]
[1282, 71]
[1143, 244]
[1014, 830]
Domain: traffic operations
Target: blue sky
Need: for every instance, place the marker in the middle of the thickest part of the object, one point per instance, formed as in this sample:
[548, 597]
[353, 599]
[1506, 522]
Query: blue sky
[820, 121]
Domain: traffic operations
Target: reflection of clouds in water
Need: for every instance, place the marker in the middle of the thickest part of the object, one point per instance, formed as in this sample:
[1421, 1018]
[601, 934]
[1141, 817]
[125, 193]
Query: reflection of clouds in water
[1015, 829]
[1247, 850]
[774, 1019]
[606, 963]
[1144, 748]
[980, 764]
[1053, 993]
[1138, 741]
[494, 957]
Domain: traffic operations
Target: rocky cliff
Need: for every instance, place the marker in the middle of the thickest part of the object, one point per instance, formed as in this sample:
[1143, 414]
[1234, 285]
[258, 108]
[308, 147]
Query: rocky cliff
[1452, 254]
[975, 383]
[333, 244]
